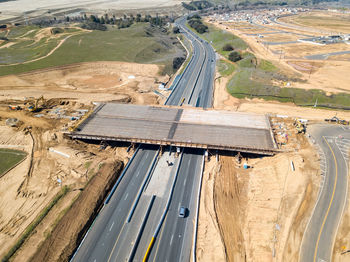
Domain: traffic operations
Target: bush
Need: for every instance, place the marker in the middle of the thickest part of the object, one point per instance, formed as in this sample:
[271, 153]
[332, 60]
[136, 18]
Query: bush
[93, 26]
[227, 47]
[177, 62]
[176, 30]
[197, 25]
[4, 38]
[56, 31]
[234, 56]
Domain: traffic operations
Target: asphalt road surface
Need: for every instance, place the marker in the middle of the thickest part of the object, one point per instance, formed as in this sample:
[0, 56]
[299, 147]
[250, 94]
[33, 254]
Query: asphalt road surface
[319, 237]
[111, 238]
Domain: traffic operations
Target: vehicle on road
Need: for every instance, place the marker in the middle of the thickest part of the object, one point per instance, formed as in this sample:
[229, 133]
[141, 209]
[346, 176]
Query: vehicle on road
[182, 212]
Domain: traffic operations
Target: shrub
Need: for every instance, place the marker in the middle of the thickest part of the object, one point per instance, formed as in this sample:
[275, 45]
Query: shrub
[234, 56]
[56, 30]
[227, 47]
[177, 62]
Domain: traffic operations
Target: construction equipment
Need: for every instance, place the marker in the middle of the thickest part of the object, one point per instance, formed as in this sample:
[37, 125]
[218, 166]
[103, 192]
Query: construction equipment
[336, 120]
[36, 105]
[15, 107]
[301, 127]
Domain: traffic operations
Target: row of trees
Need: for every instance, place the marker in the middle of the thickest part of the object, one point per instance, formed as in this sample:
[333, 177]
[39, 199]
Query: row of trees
[127, 21]
[196, 23]
[95, 22]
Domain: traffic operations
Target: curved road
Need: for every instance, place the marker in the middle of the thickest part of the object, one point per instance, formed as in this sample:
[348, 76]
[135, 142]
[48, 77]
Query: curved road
[319, 237]
[111, 237]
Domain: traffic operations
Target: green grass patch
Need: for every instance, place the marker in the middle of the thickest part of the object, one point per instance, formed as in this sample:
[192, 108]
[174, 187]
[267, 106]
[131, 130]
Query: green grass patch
[19, 31]
[267, 66]
[253, 77]
[131, 44]
[225, 68]
[10, 158]
[35, 223]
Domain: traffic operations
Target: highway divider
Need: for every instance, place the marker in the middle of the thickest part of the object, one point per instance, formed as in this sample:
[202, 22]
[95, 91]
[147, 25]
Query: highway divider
[150, 172]
[179, 79]
[138, 238]
[194, 257]
[164, 213]
[121, 176]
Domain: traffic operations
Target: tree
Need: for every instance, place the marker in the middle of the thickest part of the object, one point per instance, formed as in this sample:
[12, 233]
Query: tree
[227, 47]
[176, 30]
[177, 62]
[234, 56]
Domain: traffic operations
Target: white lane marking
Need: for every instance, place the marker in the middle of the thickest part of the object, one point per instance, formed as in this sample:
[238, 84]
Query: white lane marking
[185, 181]
[138, 173]
[111, 226]
[171, 239]
[126, 196]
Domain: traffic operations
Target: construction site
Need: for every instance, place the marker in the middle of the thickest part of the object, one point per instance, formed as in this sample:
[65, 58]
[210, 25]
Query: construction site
[179, 127]
[76, 127]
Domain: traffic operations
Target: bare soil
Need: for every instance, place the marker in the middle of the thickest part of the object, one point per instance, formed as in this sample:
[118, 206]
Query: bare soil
[74, 224]
[86, 82]
[263, 210]
[28, 188]
[329, 75]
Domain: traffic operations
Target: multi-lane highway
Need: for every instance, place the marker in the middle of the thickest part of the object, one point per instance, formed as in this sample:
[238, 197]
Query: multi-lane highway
[319, 237]
[126, 225]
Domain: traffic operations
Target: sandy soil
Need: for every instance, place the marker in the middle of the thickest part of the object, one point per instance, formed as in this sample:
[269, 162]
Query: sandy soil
[208, 229]
[333, 22]
[86, 82]
[29, 187]
[327, 75]
[10, 9]
[262, 212]
[75, 223]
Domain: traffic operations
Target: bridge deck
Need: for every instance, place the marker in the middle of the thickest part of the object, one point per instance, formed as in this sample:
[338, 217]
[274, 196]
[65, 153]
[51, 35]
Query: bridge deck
[178, 126]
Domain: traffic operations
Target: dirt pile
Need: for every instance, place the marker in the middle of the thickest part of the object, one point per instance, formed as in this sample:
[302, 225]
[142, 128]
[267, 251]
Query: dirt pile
[210, 246]
[262, 211]
[230, 200]
[75, 223]
[87, 82]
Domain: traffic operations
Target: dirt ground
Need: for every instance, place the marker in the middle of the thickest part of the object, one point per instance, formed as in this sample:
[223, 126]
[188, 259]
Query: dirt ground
[86, 82]
[335, 22]
[262, 211]
[208, 234]
[329, 75]
[75, 223]
[68, 91]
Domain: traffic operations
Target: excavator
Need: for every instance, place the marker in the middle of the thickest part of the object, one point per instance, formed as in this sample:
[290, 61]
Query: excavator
[36, 105]
[336, 120]
[301, 128]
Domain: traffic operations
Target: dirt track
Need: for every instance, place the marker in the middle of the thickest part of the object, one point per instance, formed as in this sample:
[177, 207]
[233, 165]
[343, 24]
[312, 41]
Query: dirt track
[72, 227]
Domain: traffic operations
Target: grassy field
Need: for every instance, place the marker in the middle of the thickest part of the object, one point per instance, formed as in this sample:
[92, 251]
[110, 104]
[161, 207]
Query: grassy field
[326, 21]
[252, 77]
[9, 158]
[139, 43]
[225, 68]
[26, 46]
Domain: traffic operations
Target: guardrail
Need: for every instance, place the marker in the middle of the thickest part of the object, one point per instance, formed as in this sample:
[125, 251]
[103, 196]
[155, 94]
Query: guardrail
[138, 238]
[121, 176]
[194, 258]
[164, 213]
[150, 171]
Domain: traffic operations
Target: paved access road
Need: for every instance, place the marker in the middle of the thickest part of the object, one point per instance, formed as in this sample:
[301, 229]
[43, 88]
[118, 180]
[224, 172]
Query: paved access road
[110, 238]
[319, 237]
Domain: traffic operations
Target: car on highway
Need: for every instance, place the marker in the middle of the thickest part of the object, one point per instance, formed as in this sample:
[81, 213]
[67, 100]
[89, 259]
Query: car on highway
[182, 212]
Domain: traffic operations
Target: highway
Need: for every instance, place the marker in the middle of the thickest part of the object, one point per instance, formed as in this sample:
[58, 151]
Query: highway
[318, 241]
[118, 233]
